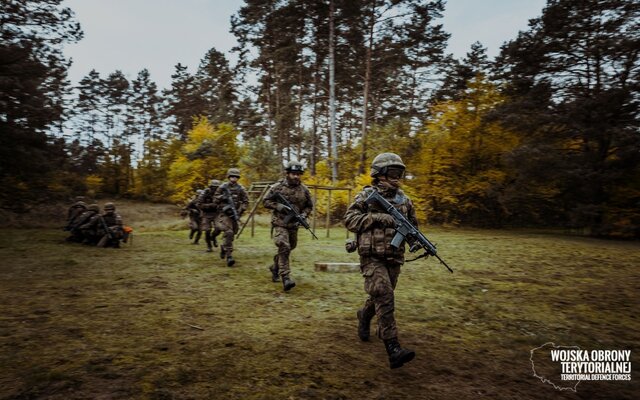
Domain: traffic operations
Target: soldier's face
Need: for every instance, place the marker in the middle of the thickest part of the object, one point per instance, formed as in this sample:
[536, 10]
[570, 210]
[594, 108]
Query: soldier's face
[294, 177]
[234, 179]
[389, 181]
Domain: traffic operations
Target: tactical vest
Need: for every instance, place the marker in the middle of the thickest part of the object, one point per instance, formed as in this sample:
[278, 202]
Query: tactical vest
[238, 195]
[207, 198]
[112, 220]
[114, 223]
[298, 196]
[376, 241]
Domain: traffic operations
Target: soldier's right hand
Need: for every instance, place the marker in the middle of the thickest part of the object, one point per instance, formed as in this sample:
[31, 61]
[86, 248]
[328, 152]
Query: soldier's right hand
[384, 219]
[282, 208]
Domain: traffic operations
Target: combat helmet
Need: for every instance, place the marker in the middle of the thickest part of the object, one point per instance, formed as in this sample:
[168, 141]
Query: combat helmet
[93, 207]
[383, 161]
[233, 172]
[109, 207]
[214, 183]
[294, 166]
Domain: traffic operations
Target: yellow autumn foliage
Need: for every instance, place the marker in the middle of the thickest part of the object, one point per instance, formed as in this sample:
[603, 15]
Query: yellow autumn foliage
[208, 153]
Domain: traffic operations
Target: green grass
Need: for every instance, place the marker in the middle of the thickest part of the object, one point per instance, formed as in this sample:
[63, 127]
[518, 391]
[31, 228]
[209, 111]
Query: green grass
[82, 322]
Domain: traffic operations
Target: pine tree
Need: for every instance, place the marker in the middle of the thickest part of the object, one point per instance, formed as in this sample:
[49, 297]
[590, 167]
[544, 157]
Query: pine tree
[574, 79]
[32, 80]
[143, 119]
[89, 109]
[183, 101]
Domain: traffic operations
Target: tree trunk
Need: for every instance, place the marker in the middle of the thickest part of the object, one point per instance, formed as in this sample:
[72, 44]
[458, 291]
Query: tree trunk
[332, 98]
[365, 99]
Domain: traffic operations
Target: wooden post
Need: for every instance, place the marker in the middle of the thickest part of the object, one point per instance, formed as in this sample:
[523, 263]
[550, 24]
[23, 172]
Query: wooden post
[315, 207]
[253, 224]
[348, 204]
[328, 211]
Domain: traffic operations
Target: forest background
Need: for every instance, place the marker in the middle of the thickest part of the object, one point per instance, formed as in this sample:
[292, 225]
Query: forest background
[546, 134]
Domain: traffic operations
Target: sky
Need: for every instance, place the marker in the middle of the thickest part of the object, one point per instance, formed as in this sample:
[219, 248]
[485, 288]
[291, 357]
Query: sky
[130, 35]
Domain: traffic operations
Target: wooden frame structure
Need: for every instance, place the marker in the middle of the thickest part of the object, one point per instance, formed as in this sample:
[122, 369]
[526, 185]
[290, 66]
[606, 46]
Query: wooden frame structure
[260, 189]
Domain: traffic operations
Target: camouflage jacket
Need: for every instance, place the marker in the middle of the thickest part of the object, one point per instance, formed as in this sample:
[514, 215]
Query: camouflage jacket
[238, 195]
[112, 220]
[82, 219]
[374, 239]
[75, 211]
[297, 195]
[206, 202]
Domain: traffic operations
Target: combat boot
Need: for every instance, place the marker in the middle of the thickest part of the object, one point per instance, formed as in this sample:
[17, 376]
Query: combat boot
[397, 355]
[207, 240]
[288, 283]
[364, 326]
[230, 261]
[274, 273]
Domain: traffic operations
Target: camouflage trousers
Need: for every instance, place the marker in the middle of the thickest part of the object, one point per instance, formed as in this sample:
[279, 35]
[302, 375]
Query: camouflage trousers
[194, 222]
[285, 240]
[380, 280]
[229, 228]
[208, 222]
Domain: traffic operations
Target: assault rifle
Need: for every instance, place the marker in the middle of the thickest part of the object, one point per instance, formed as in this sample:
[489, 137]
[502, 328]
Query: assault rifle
[108, 233]
[406, 231]
[293, 213]
[230, 206]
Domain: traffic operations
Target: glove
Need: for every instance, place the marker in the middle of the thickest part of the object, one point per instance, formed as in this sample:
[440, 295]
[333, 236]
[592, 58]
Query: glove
[383, 219]
[303, 215]
[282, 208]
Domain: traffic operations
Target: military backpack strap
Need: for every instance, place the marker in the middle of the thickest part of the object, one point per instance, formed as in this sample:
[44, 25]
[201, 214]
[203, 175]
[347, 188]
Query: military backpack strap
[273, 189]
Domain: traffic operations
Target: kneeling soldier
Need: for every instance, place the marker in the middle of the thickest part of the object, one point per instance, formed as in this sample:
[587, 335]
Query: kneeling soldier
[379, 261]
[108, 227]
[285, 227]
[77, 232]
[74, 212]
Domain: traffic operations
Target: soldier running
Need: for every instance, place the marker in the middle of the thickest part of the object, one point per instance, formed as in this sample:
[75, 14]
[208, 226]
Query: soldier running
[379, 261]
[209, 214]
[231, 201]
[284, 227]
[195, 217]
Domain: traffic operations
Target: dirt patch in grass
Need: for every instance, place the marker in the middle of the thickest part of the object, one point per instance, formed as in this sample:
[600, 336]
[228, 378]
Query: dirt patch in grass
[162, 319]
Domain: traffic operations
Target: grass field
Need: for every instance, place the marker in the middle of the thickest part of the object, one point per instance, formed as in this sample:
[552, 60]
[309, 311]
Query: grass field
[162, 319]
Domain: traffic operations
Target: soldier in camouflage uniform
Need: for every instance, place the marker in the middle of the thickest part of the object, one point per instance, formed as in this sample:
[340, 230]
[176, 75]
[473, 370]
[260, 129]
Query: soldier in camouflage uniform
[225, 221]
[209, 214]
[77, 234]
[286, 232]
[195, 217]
[74, 212]
[108, 227]
[379, 261]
